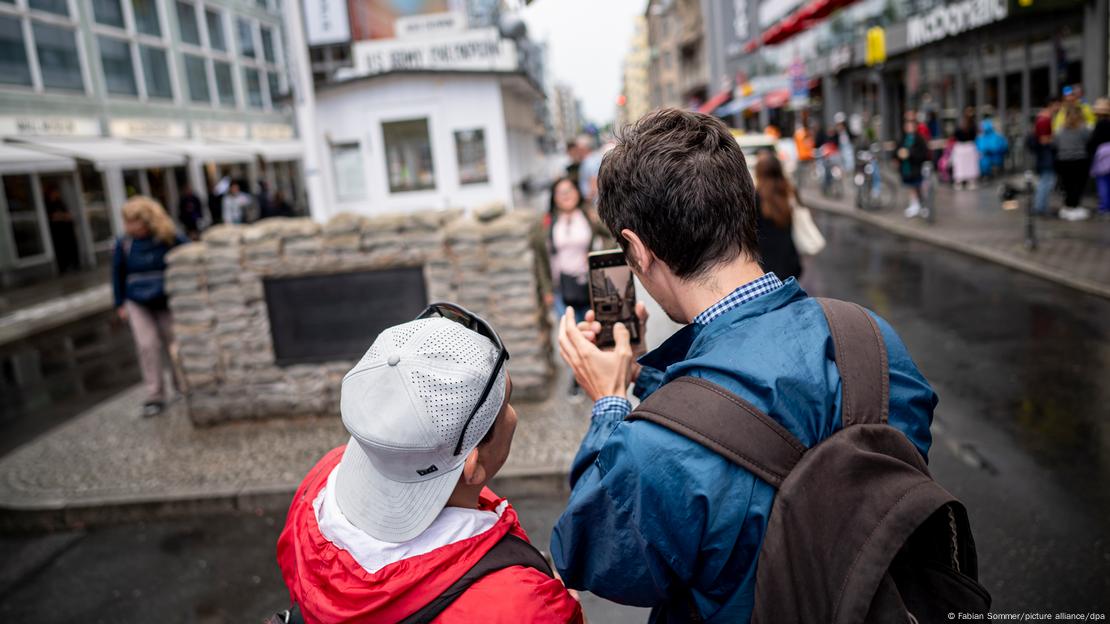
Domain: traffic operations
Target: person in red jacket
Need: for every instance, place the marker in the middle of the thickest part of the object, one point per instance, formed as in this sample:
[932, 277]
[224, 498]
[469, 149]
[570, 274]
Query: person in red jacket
[380, 528]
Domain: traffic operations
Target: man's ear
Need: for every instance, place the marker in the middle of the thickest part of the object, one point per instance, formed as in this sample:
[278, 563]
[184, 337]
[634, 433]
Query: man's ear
[640, 256]
[474, 472]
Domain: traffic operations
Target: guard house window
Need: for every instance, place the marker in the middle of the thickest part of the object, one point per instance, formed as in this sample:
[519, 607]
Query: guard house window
[408, 154]
[133, 48]
[26, 226]
[470, 150]
[350, 181]
[55, 64]
[187, 23]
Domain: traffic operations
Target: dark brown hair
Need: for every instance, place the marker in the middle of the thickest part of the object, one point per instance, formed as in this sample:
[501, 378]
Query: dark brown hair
[679, 181]
[775, 192]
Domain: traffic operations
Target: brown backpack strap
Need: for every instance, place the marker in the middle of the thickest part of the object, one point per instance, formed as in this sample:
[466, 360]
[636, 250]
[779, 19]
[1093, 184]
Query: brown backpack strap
[714, 417]
[861, 360]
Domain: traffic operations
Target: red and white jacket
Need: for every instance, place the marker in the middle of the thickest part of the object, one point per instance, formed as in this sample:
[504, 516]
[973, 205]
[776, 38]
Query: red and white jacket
[330, 586]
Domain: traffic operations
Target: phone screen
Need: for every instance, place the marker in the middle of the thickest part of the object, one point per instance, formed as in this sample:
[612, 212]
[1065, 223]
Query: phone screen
[613, 295]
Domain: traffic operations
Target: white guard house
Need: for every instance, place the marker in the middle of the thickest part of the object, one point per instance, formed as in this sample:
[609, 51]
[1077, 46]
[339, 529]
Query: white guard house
[445, 120]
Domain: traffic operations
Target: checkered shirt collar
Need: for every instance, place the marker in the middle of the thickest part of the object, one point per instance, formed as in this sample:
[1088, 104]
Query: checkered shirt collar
[755, 288]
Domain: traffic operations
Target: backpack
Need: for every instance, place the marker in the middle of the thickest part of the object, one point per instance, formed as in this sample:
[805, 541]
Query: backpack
[859, 531]
[509, 551]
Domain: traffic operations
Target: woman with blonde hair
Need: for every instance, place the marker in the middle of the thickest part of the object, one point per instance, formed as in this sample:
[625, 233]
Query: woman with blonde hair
[138, 278]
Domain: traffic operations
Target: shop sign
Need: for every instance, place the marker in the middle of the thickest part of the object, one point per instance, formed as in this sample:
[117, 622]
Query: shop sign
[219, 130]
[475, 50]
[952, 19]
[875, 52]
[154, 128]
[416, 26]
[49, 126]
[271, 132]
[326, 22]
[840, 58]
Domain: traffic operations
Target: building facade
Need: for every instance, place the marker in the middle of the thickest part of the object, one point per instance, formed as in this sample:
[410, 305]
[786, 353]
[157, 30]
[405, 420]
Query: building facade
[636, 87]
[104, 99]
[679, 70]
[566, 113]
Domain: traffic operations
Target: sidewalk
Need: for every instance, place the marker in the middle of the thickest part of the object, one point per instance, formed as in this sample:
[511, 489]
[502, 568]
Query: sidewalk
[31, 310]
[1075, 254]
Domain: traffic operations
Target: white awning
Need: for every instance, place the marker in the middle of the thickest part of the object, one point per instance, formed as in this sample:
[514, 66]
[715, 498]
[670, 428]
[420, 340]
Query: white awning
[20, 160]
[104, 153]
[202, 151]
[270, 151]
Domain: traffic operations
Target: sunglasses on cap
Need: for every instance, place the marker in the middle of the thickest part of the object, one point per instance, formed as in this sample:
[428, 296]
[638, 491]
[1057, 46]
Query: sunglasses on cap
[478, 325]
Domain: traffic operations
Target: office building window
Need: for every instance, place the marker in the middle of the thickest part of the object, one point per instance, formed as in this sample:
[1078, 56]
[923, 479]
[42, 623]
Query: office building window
[216, 38]
[108, 12]
[146, 17]
[275, 88]
[59, 7]
[196, 74]
[119, 73]
[95, 203]
[408, 154]
[187, 23]
[58, 60]
[470, 150]
[246, 37]
[156, 72]
[14, 68]
[225, 86]
[23, 216]
[268, 45]
[350, 181]
[253, 86]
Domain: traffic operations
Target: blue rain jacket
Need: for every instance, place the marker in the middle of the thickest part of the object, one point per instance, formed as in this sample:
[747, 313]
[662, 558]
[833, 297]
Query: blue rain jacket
[652, 512]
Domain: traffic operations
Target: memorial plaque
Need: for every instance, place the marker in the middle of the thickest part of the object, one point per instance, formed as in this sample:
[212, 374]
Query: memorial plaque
[321, 318]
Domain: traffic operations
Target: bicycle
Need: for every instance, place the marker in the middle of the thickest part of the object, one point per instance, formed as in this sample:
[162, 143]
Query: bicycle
[871, 193]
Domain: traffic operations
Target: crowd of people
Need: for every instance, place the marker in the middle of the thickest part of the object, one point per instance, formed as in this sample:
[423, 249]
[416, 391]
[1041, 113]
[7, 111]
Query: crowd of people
[228, 202]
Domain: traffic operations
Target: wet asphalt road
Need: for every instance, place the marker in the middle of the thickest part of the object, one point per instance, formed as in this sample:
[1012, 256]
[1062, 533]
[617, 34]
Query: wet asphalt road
[1022, 436]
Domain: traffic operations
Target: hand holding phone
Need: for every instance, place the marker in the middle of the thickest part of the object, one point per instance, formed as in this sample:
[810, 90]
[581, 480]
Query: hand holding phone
[613, 296]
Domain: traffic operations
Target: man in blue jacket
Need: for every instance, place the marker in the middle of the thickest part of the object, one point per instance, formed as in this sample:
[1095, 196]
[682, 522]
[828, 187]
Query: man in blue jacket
[655, 519]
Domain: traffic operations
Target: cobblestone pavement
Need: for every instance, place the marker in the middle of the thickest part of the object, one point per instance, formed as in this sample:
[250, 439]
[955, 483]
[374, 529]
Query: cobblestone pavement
[1076, 254]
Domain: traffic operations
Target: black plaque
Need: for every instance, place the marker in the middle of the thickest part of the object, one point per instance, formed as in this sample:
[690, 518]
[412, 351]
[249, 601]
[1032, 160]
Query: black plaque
[320, 318]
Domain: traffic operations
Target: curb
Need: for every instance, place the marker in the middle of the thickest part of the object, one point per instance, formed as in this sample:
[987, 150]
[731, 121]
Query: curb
[48, 517]
[933, 238]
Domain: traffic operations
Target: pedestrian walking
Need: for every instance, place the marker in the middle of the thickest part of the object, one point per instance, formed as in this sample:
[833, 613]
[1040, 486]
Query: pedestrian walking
[965, 155]
[399, 525]
[993, 148]
[236, 205]
[1044, 156]
[138, 286]
[913, 152]
[1098, 147]
[805, 144]
[775, 198]
[1072, 162]
[190, 212]
[657, 517]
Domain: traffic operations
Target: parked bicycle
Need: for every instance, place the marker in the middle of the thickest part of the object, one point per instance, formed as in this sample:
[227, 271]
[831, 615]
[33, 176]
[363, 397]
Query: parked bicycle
[871, 192]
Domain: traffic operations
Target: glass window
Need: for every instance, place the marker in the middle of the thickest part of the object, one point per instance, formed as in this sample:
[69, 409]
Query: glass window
[108, 12]
[254, 87]
[24, 218]
[156, 72]
[53, 6]
[268, 45]
[408, 153]
[119, 73]
[132, 182]
[246, 37]
[13, 55]
[58, 60]
[275, 88]
[470, 149]
[187, 23]
[196, 74]
[57, 197]
[350, 182]
[146, 17]
[216, 38]
[225, 87]
[261, 3]
[96, 206]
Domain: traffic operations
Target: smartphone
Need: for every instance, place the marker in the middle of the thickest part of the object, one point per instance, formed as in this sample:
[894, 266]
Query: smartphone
[613, 295]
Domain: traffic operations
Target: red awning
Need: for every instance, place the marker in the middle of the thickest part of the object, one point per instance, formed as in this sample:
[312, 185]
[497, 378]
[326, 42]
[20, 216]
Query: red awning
[797, 22]
[777, 99]
[715, 102]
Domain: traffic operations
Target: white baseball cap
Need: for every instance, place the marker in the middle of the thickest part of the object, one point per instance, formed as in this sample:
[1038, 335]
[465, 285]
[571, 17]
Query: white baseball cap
[405, 405]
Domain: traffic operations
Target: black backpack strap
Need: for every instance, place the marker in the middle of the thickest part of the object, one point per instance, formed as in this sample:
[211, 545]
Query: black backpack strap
[725, 423]
[508, 552]
[861, 360]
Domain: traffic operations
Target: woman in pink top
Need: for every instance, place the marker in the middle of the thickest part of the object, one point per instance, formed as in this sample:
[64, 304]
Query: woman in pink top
[570, 237]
